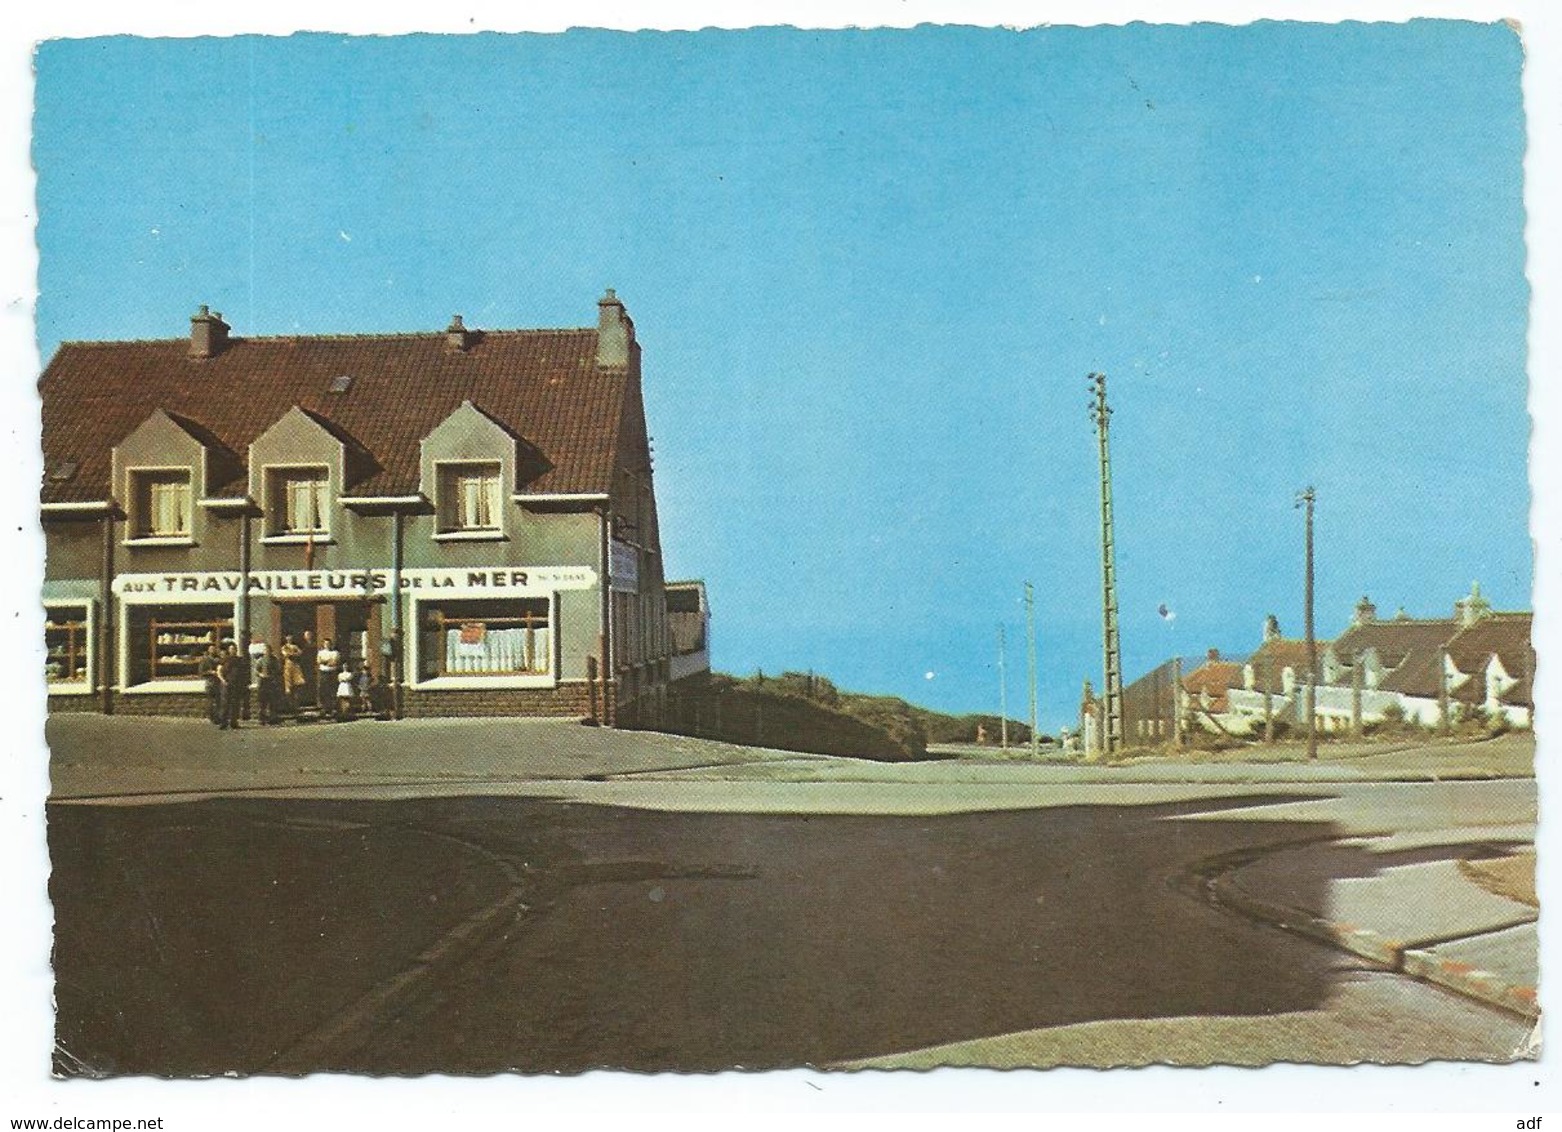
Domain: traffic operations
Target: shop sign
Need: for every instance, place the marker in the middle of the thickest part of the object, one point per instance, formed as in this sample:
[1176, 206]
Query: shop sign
[475, 581]
[625, 568]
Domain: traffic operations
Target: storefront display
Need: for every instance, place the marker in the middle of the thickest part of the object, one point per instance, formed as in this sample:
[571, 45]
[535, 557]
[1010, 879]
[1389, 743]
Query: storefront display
[67, 636]
[487, 638]
[167, 642]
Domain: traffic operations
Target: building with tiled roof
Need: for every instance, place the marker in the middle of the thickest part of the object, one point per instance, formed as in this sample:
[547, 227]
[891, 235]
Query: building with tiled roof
[1493, 662]
[1209, 686]
[1487, 664]
[470, 515]
[1383, 648]
[1270, 683]
[1420, 667]
[1192, 692]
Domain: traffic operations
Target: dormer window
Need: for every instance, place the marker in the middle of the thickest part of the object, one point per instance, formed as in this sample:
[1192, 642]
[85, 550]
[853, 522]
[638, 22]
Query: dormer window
[160, 504]
[470, 500]
[298, 501]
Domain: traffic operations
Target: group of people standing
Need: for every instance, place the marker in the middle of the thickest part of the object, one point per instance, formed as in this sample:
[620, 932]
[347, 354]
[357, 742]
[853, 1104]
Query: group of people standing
[283, 681]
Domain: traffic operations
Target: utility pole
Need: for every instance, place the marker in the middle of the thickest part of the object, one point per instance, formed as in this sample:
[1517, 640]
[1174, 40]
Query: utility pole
[1269, 714]
[1111, 646]
[1003, 694]
[1030, 656]
[1307, 497]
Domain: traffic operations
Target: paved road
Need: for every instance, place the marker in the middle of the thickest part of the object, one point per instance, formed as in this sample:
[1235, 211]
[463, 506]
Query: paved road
[654, 923]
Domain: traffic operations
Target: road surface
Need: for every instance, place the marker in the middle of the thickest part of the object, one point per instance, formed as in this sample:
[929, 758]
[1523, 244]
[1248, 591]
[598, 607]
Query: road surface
[668, 921]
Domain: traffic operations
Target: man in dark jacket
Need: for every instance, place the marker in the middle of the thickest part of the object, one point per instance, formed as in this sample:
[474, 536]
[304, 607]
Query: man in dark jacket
[208, 670]
[235, 682]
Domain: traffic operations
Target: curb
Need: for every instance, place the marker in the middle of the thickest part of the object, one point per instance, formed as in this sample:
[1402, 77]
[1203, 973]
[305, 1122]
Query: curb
[1348, 937]
[1470, 980]
[1390, 954]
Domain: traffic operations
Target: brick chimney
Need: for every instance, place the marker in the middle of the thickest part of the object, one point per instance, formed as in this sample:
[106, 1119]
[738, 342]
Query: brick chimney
[208, 333]
[615, 333]
[1212, 655]
[1366, 612]
[458, 339]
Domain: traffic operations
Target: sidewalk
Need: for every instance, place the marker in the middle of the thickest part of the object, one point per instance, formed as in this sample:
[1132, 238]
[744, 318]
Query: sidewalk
[93, 756]
[1405, 905]
[96, 756]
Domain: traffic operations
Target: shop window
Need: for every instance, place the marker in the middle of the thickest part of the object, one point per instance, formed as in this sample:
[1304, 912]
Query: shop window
[66, 637]
[160, 504]
[166, 642]
[297, 501]
[469, 498]
[486, 638]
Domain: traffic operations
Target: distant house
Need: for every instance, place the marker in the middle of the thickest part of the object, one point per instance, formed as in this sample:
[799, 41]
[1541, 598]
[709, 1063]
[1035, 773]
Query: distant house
[1091, 708]
[1487, 665]
[688, 630]
[1477, 658]
[1207, 694]
[1427, 669]
[1197, 690]
[1272, 680]
[1359, 671]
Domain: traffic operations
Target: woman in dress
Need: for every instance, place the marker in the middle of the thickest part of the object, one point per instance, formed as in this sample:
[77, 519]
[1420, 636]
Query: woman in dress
[292, 674]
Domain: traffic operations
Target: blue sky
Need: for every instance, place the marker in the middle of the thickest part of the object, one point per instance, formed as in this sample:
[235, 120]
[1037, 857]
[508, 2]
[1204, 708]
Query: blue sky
[870, 271]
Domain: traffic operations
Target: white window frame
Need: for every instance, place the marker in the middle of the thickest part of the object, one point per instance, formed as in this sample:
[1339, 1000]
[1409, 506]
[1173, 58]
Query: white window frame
[549, 679]
[77, 687]
[275, 479]
[138, 529]
[167, 684]
[448, 508]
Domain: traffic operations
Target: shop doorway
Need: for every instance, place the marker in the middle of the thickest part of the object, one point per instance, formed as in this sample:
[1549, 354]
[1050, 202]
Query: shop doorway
[354, 627]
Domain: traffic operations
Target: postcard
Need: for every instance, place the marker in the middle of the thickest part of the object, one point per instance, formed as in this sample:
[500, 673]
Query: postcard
[782, 549]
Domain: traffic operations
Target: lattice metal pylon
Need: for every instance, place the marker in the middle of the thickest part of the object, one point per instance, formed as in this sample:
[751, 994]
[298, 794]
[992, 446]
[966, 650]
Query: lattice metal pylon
[1111, 646]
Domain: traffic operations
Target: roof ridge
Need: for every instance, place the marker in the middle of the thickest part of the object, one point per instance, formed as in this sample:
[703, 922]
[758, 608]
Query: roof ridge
[1404, 621]
[332, 337]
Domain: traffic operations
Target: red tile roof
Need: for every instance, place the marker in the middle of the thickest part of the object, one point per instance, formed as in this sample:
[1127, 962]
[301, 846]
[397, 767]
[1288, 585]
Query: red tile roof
[543, 385]
[1214, 678]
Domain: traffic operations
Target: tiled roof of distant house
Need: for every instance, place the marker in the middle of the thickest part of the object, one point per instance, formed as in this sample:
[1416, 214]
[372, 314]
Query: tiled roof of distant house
[1504, 635]
[543, 385]
[1273, 657]
[1210, 682]
[1395, 641]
